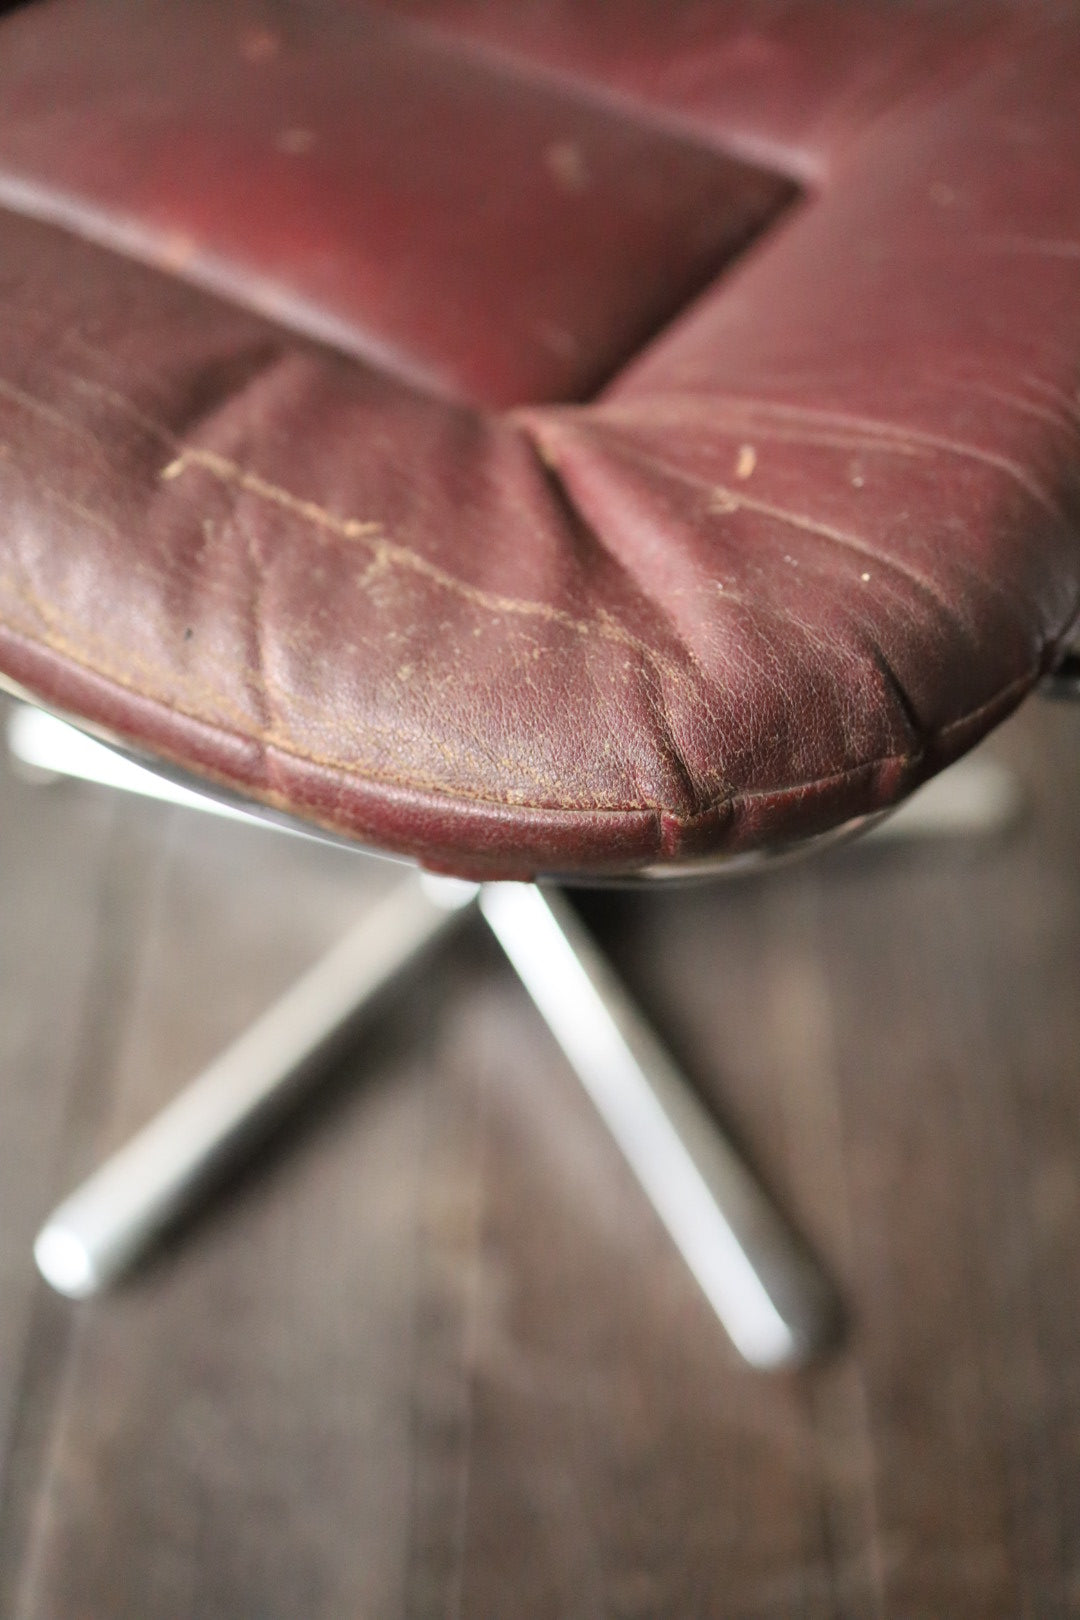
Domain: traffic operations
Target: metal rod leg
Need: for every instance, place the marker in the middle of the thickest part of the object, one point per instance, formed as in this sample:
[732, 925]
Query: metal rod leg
[775, 1303]
[109, 1221]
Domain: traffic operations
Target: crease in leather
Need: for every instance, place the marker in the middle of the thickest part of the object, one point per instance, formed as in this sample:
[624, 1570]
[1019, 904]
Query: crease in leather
[111, 227]
[901, 697]
[805, 160]
[923, 736]
[722, 499]
[936, 69]
[1056, 417]
[221, 382]
[184, 456]
[387, 552]
[65, 632]
[664, 739]
[760, 655]
[368, 533]
[535, 422]
[315, 515]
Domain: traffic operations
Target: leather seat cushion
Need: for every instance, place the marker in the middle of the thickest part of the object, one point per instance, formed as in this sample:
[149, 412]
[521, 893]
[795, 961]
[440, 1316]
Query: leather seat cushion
[540, 437]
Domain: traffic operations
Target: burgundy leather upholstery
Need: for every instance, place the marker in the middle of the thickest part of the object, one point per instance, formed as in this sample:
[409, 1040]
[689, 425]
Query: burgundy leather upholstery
[541, 434]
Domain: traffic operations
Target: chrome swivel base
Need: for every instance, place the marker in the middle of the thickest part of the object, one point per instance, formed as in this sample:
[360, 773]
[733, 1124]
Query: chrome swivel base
[777, 1307]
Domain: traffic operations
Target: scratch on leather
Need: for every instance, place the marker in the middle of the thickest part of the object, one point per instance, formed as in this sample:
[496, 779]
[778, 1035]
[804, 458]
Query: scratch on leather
[83, 513]
[1070, 403]
[729, 500]
[258, 671]
[735, 422]
[47, 413]
[1044, 247]
[387, 553]
[230, 473]
[887, 435]
[724, 499]
[1057, 417]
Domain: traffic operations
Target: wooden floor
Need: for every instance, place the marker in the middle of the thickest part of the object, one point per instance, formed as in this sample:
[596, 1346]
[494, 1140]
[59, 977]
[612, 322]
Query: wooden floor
[432, 1356]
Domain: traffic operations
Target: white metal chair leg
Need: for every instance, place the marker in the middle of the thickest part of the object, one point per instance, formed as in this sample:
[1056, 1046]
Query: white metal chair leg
[770, 1295]
[117, 1213]
[774, 1302]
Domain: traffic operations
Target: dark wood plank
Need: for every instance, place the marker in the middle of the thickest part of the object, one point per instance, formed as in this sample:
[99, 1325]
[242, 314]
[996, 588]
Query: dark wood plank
[432, 1355]
[243, 1398]
[60, 880]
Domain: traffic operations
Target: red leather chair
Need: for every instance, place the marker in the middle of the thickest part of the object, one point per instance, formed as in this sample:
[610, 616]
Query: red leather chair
[546, 438]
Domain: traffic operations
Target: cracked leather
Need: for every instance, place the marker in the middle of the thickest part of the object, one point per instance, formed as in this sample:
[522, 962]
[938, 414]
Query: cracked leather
[546, 436]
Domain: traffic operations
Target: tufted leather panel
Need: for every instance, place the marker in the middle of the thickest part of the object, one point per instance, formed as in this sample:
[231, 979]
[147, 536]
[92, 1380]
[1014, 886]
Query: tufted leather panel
[392, 429]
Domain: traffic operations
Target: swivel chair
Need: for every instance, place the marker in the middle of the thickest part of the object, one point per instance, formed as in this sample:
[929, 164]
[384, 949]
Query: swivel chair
[544, 441]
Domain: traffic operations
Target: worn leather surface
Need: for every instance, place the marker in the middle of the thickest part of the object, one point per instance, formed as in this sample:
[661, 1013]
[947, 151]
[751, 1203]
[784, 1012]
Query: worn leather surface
[444, 419]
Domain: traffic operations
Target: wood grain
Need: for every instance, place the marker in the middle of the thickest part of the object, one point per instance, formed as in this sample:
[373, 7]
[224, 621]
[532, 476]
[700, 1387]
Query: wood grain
[431, 1355]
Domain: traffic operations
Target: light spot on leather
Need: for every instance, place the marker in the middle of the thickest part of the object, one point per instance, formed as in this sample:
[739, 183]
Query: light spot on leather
[296, 142]
[557, 339]
[746, 461]
[565, 162]
[259, 45]
[178, 251]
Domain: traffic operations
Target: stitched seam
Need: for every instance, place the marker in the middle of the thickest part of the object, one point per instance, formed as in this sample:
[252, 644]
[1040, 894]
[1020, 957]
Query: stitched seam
[417, 781]
[103, 667]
